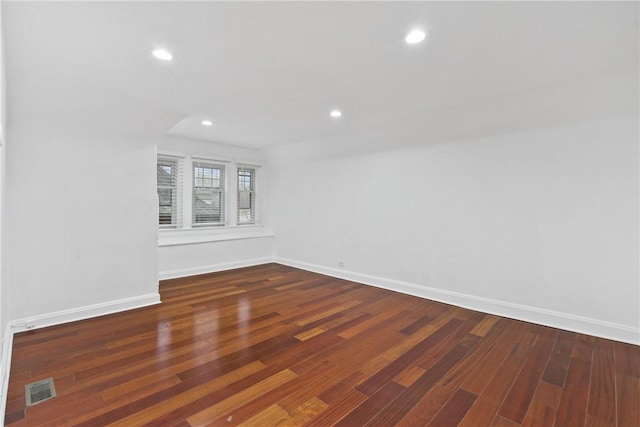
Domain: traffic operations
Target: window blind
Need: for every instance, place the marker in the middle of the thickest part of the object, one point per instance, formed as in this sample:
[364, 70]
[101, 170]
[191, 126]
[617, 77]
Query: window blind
[169, 184]
[246, 195]
[208, 193]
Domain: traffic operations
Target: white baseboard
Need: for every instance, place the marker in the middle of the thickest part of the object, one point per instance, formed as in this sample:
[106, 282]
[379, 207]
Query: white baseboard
[81, 313]
[184, 272]
[584, 325]
[56, 318]
[5, 370]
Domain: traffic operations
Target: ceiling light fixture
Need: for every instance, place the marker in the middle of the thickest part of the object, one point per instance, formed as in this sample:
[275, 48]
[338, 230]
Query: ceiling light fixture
[207, 123]
[335, 113]
[415, 36]
[163, 54]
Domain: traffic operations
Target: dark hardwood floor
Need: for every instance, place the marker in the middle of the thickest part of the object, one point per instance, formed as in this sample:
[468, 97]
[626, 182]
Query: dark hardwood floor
[276, 346]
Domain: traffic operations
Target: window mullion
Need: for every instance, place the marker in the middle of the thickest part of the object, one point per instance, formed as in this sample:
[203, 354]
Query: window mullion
[206, 192]
[232, 187]
[209, 204]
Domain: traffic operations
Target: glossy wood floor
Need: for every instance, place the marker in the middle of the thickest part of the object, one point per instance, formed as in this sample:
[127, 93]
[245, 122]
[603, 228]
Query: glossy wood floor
[276, 346]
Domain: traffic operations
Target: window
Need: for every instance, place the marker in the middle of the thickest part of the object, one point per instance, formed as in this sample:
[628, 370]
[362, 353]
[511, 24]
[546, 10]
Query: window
[167, 179]
[196, 192]
[208, 193]
[246, 195]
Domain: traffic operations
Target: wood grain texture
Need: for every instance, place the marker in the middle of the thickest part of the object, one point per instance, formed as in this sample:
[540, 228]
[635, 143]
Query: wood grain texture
[517, 402]
[455, 409]
[573, 405]
[276, 346]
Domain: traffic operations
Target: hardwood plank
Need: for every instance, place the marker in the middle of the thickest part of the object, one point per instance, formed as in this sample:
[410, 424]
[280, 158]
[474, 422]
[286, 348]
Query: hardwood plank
[328, 312]
[339, 390]
[477, 372]
[373, 321]
[170, 399]
[310, 333]
[304, 413]
[427, 407]
[334, 413]
[517, 402]
[548, 395]
[370, 407]
[455, 409]
[398, 409]
[485, 326]
[424, 320]
[582, 348]
[556, 370]
[407, 344]
[573, 406]
[321, 372]
[486, 406]
[274, 345]
[14, 417]
[377, 381]
[409, 376]
[627, 359]
[544, 406]
[602, 402]
[45, 412]
[459, 336]
[314, 379]
[275, 415]
[271, 416]
[250, 393]
[346, 358]
[628, 394]
[540, 415]
[499, 421]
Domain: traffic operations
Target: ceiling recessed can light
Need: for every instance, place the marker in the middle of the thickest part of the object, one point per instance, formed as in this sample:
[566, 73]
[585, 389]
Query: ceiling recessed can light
[207, 123]
[163, 54]
[335, 113]
[415, 36]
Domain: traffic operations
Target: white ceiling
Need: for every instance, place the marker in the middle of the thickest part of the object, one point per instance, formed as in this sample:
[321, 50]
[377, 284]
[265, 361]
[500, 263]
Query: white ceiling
[268, 74]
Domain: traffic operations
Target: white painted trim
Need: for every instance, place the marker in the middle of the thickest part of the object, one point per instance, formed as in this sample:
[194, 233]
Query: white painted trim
[5, 370]
[209, 158]
[174, 154]
[555, 319]
[203, 235]
[56, 318]
[184, 272]
[81, 313]
[247, 164]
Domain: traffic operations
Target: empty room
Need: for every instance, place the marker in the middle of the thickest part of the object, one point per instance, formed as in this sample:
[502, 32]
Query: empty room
[320, 213]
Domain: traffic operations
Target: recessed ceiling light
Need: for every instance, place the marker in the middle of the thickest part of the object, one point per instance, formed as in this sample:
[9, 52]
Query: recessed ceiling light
[335, 113]
[207, 123]
[163, 54]
[415, 36]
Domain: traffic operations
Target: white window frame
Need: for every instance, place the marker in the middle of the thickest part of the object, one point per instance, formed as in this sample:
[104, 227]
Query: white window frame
[253, 193]
[178, 163]
[187, 232]
[221, 190]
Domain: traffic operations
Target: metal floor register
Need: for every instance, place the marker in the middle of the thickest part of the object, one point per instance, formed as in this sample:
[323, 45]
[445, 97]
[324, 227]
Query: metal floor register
[39, 391]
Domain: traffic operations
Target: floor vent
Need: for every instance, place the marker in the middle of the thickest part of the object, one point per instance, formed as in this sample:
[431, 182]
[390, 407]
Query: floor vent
[39, 391]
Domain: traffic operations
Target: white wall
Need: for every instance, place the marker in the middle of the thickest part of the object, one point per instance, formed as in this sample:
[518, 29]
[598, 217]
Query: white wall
[3, 121]
[80, 223]
[228, 247]
[541, 225]
[5, 336]
[190, 259]
[3, 302]
[223, 151]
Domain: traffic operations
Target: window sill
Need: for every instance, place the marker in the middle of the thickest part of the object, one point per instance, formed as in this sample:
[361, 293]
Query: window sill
[204, 235]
